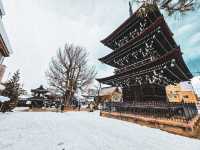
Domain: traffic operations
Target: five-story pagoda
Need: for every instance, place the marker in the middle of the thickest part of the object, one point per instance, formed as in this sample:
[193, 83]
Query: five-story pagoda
[146, 59]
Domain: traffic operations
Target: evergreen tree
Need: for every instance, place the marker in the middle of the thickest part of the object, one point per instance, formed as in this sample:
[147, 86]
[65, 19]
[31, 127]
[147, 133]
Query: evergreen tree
[13, 88]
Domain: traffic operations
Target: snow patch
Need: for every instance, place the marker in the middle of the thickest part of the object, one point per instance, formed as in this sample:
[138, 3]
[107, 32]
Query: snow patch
[83, 131]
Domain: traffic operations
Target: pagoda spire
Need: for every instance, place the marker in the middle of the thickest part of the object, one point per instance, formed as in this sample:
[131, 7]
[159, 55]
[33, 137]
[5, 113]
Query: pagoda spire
[130, 9]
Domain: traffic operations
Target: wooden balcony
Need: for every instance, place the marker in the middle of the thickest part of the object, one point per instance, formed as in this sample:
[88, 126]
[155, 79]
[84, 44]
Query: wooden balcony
[2, 71]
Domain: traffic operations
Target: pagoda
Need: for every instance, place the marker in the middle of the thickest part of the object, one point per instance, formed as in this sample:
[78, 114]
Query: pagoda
[146, 58]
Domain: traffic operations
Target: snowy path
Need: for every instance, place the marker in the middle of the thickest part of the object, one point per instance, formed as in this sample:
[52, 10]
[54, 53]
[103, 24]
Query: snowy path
[82, 131]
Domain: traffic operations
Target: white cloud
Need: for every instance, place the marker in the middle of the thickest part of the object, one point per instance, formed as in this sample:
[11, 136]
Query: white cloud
[37, 28]
[184, 29]
[195, 38]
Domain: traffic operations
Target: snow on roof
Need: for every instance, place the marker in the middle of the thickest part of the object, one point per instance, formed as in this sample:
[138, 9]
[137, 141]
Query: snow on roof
[4, 99]
[186, 86]
[108, 91]
[196, 84]
[24, 96]
[90, 99]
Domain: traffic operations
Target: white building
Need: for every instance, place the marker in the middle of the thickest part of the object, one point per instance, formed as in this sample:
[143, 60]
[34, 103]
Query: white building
[5, 48]
[196, 85]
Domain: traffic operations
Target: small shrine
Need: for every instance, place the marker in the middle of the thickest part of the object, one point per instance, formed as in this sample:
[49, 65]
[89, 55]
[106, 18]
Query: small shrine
[39, 97]
[39, 92]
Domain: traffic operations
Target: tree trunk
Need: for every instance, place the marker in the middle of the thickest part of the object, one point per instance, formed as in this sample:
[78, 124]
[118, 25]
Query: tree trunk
[67, 98]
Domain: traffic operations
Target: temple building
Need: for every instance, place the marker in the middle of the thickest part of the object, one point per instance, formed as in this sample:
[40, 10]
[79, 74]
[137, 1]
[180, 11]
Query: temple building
[147, 59]
[38, 97]
[181, 92]
[5, 48]
[110, 94]
[39, 92]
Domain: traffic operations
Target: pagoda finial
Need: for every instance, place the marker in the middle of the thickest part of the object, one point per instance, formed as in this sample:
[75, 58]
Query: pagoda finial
[130, 9]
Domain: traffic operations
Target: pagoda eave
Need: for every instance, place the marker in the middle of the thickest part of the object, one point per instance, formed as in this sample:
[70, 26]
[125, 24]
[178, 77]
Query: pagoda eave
[172, 63]
[120, 28]
[147, 33]
[132, 20]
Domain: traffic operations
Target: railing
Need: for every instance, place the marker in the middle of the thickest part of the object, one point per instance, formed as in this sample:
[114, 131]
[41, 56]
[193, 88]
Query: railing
[153, 109]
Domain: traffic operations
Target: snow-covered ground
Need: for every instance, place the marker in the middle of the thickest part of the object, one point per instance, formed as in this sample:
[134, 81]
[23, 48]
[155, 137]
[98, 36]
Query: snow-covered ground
[16, 109]
[83, 131]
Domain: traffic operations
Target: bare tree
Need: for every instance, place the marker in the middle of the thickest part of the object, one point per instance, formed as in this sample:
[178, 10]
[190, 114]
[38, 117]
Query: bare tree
[174, 6]
[68, 71]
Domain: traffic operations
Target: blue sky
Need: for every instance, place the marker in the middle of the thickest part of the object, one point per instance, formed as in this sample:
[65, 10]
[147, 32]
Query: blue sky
[37, 28]
[186, 31]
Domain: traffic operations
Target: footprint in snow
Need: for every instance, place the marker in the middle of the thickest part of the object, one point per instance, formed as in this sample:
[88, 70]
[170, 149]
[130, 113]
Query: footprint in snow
[61, 144]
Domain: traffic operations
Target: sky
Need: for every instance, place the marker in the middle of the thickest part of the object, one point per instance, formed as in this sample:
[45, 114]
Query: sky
[38, 28]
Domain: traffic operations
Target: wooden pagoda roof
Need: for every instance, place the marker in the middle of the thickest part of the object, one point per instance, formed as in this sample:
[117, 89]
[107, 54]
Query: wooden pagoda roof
[132, 19]
[164, 37]
[41, 89]
[147, 32]
[180, 71]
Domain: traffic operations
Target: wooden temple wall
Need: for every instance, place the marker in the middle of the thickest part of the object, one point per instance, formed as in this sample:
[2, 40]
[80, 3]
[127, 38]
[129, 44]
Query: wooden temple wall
[144, 93]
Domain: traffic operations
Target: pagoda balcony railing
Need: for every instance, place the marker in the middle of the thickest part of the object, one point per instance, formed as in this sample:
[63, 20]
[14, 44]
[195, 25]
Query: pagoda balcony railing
[138, 64]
